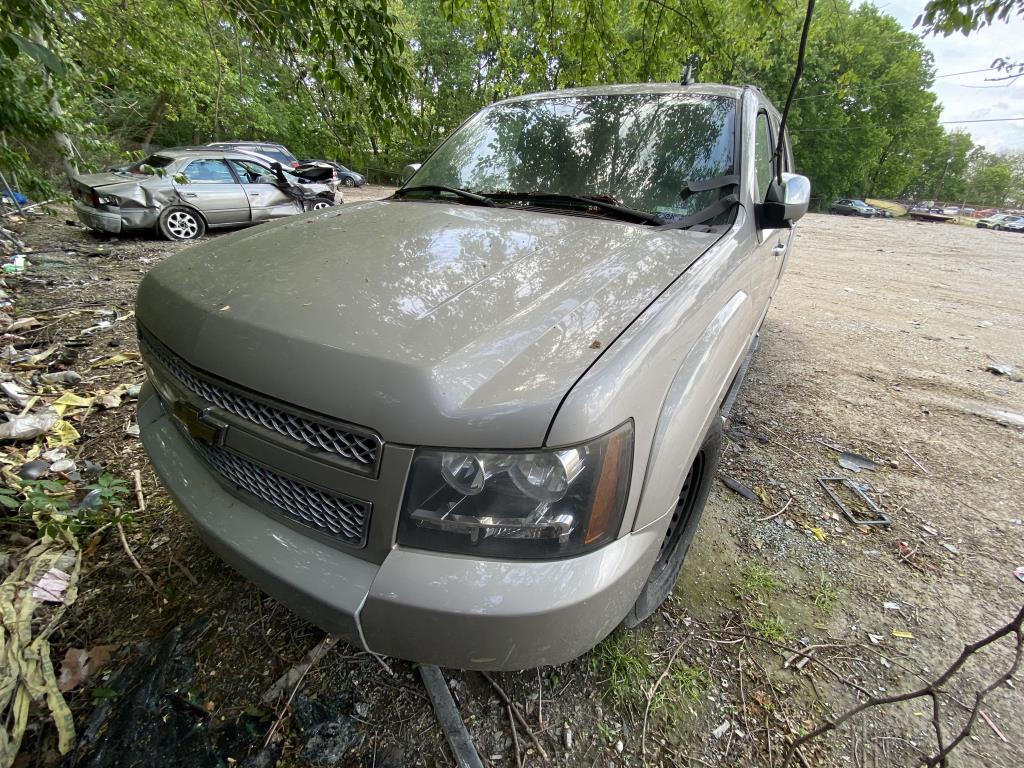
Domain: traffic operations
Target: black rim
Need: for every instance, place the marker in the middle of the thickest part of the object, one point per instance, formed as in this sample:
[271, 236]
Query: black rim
[682, 513]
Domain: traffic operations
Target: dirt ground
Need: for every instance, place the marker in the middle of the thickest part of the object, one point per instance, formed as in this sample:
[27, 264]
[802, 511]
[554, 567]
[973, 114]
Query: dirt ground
[877, 343]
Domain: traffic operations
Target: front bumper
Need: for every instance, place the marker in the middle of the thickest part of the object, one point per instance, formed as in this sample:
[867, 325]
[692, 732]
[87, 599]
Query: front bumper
[449, 610]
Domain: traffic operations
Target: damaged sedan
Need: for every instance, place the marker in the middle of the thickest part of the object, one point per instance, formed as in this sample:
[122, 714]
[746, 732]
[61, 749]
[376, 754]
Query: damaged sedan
[183, 192]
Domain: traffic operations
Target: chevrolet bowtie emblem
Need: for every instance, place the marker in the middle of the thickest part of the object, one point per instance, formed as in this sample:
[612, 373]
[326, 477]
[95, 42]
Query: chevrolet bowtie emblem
[200, 425]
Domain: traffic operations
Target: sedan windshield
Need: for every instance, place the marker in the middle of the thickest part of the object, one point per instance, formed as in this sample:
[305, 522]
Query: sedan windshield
[637, 150]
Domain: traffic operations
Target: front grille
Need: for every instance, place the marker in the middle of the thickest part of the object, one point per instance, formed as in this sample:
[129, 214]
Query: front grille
[360, 448]
[334, 515]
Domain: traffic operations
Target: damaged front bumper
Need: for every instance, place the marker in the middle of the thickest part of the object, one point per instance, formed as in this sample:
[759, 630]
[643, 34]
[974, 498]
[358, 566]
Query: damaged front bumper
[449, 610]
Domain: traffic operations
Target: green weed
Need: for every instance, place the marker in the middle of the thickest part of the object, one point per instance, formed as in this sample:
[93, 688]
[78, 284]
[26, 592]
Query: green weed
[759, 581]
[622, 661]
[826, 595]
[770, 627]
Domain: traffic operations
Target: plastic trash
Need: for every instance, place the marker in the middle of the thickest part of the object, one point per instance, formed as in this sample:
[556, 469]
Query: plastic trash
[29, 426]
[64, 378]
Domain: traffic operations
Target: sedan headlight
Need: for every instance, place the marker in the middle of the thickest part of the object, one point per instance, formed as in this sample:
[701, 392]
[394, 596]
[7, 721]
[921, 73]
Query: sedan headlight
[526, 504]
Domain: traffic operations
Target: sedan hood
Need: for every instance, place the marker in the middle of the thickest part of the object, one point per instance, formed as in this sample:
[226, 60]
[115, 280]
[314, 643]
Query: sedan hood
[432, 323]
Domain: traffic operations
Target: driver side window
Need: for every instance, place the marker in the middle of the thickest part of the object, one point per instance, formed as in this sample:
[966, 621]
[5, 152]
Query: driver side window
[763, 150]
[253, 173]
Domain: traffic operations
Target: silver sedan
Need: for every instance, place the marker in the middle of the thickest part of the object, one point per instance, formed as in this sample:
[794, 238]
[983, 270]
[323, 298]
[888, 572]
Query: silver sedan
[183, 192]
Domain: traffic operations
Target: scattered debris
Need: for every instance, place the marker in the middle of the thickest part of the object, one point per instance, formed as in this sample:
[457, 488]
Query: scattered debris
[29, 425]
[951, 548]
[449, 718]
[855, 462]
[878, 517]
[902, 634]
[999, 369]
[721, 730]
[737, 487]
[51, 586]
[1019, 573]
[80, 664]
[63, 378]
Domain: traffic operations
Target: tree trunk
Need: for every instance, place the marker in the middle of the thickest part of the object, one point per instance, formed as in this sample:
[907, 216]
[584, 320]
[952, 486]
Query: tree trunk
[65, 148]
[156, 114]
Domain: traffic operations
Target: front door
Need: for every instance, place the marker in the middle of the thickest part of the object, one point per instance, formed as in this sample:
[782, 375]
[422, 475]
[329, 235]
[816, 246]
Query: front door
[263, 190]
[213, 189]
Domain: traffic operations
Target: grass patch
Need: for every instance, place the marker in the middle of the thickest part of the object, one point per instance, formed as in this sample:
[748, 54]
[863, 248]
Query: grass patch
[826, 595]
[770, 627]
[623, 663]
[759, 581]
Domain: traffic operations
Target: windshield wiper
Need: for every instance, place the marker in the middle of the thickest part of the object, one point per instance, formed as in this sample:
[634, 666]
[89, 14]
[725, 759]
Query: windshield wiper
[618, 211]
[462, 194]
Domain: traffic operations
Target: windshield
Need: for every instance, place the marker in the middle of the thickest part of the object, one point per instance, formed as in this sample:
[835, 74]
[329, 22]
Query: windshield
[640, 149]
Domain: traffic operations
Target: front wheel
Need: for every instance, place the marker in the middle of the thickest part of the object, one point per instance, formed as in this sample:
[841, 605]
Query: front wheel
[181, 223]
[320, 203]
[683, 525]
[348, 181]
[997, 228]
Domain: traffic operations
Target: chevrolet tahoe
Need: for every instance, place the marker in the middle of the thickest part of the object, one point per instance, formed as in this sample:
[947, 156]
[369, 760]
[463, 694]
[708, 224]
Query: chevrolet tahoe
[475, 424]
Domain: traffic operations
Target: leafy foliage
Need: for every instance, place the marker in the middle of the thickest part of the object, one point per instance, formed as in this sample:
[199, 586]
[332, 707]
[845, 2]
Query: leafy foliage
[381, 84]
[53, 505]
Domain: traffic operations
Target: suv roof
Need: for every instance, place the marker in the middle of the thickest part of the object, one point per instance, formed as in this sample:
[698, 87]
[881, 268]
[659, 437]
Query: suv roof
[710, 89]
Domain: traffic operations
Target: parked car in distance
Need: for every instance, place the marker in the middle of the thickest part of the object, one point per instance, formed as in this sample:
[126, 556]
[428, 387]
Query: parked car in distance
[319, 170]
[998, 221]
[851, 207]
[277, 152]
[183, 192]
[475, 424]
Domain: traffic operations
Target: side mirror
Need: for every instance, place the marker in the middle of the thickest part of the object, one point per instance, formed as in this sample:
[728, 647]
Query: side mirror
[409, 171]
[785, 203]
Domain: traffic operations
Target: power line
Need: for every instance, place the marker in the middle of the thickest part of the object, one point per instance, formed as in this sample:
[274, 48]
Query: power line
[941, 122]
[896, 82]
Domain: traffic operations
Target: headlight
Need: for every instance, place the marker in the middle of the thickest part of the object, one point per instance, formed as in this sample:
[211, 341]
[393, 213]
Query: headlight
[525, 504]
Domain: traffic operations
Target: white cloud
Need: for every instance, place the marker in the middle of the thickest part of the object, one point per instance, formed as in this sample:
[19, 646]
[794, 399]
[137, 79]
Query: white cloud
[970, 97]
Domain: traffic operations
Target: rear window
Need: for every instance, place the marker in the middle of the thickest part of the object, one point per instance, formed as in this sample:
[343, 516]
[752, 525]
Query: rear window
[277, 153]
[153, 161]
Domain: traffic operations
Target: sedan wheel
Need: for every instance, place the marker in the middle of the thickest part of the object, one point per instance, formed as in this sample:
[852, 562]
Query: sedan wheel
[179, 223]
[348, 181]
[319, 205]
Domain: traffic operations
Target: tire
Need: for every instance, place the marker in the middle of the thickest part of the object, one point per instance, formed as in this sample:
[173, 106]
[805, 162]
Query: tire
[320, 203]
[997, 228]
[834, 211]
[684, 523]
[181, 223]
[348, 181]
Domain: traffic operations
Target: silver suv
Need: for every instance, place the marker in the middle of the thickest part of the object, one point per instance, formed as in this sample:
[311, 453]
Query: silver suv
[475, 424]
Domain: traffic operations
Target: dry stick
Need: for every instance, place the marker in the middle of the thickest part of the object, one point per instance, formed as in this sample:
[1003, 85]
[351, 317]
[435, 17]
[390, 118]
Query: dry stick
[139, 496]
[325, 645]
[918, 463]
[1014, 627]
[773, 516]
[540, 701]
[515, 711]
[136, 563]
[653, 691]
[992, 725]
[515, 736]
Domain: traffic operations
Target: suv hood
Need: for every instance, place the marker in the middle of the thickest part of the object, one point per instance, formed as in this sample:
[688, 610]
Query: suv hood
[431, 323]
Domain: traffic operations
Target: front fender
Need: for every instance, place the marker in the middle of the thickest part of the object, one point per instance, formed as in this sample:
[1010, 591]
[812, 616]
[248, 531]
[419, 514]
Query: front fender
[692, 403]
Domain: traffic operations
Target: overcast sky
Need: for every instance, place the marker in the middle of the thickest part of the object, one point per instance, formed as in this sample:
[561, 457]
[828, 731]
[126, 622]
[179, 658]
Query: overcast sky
[959, 100]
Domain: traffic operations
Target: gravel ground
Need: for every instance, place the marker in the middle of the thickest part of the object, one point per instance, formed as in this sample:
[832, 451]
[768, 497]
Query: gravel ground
[877, 343]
